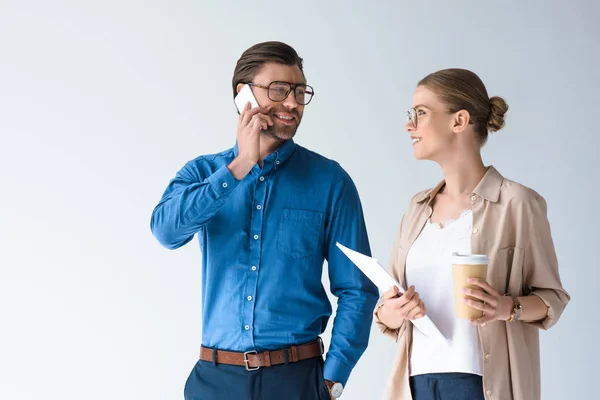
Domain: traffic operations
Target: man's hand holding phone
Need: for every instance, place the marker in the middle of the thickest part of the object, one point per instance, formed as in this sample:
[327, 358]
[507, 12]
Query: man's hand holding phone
[250, 123]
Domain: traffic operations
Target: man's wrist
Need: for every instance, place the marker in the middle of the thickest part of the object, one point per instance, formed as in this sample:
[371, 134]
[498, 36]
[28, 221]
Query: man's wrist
[335, 388]
[336, 370]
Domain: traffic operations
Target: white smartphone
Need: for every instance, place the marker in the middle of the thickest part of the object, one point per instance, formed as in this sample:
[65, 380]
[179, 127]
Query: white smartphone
[244, 96]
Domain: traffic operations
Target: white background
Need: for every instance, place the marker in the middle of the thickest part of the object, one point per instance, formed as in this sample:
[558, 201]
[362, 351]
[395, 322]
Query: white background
[101, 102]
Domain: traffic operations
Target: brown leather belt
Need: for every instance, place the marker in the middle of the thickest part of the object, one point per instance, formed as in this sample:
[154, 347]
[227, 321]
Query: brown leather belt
[253, 360]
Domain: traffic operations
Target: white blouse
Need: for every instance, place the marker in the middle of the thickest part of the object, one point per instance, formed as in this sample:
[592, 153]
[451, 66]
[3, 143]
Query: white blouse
[429, 269]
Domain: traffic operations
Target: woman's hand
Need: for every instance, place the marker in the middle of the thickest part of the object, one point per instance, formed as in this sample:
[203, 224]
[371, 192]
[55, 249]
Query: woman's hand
[495, 306]
[396, 309]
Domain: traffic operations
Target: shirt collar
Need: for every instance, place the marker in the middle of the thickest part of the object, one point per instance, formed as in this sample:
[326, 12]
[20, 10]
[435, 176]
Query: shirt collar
[488, 188]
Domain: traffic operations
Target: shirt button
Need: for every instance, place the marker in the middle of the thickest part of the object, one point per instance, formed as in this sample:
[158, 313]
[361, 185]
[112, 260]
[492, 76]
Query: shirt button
[254, 268]
[488, 392]
[484, 324]
[473, 198]
[277, 162]
[259, 207]
[487, 355]
[249, 298]
[247, 328]
[475, 230]
[262, 178]
[255, 237]
[224, 184]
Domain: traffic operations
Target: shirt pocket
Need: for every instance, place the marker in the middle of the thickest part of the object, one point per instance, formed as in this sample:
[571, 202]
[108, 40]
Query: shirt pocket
[299, 233]
[506, 272]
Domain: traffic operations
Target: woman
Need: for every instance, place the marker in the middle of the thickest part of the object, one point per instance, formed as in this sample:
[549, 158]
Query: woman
[473, 210]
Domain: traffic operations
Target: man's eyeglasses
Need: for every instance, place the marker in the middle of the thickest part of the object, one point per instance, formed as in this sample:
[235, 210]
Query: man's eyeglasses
[279, 91]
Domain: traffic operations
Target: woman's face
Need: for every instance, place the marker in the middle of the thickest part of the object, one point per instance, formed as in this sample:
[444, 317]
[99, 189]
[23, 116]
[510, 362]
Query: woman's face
[432, 136]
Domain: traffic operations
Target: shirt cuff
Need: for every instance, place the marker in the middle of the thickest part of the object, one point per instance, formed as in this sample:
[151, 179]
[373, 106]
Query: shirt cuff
[555, 303]
[336, 370]
[223, 181]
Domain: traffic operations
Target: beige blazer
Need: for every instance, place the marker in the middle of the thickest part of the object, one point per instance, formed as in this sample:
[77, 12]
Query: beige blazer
[510, 226]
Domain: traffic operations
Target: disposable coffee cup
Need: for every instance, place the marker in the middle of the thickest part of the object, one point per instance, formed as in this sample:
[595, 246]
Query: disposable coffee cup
[465, 266]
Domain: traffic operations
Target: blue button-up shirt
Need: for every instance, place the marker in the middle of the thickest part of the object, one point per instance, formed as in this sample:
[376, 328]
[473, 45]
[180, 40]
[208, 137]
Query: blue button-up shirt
[263, 242]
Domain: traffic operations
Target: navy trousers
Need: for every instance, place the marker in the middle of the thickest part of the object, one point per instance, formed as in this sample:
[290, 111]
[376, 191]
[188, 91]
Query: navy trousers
[451, 386]
[301, 380]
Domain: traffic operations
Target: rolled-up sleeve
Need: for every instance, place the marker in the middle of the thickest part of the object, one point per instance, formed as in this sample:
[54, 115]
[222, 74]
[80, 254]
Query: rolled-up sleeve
[541, 277]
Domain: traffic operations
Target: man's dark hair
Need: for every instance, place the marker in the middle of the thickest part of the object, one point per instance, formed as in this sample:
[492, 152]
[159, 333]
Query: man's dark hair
[256, 56]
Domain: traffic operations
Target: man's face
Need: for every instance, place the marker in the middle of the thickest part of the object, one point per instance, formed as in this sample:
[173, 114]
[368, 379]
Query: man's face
[286, 114]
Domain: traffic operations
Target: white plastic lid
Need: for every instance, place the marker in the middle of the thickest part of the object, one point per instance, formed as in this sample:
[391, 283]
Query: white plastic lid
[469, 259]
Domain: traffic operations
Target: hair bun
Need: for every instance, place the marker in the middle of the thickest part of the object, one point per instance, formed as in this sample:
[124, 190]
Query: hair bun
[498, 109]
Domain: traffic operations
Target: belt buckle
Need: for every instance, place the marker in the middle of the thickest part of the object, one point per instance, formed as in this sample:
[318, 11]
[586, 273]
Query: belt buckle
[247, 362]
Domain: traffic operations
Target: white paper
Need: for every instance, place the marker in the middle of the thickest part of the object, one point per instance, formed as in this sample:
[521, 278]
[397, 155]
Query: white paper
[385, 281]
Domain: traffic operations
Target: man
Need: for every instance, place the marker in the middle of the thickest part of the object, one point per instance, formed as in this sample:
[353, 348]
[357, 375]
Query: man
[268, 212]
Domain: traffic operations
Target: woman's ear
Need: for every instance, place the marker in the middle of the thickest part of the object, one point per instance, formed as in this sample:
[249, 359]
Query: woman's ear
[461, 121]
